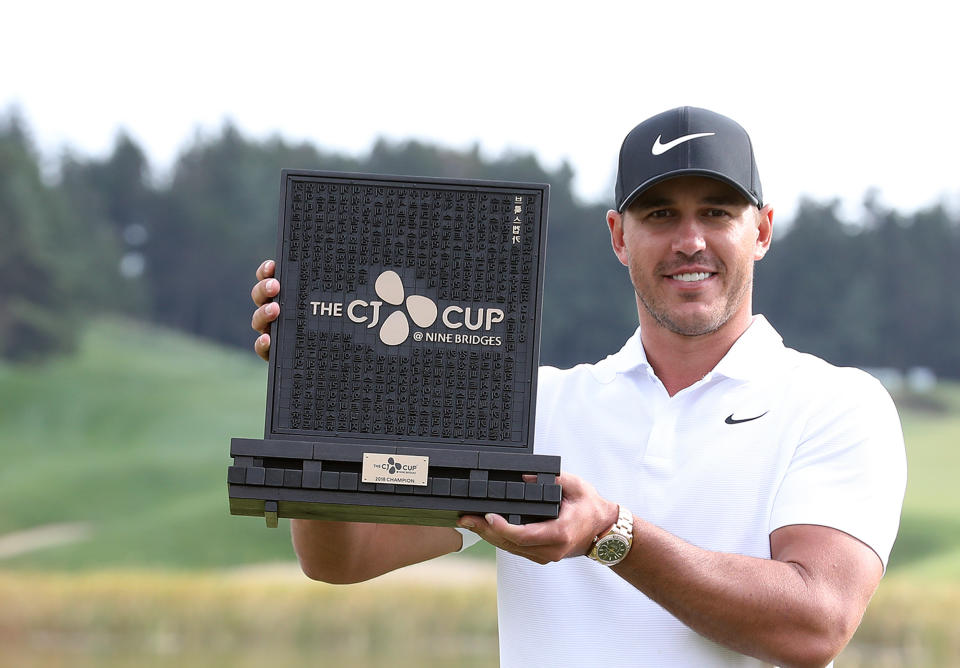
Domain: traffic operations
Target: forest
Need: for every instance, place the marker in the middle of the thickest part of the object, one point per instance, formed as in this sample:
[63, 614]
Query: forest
[90, 236]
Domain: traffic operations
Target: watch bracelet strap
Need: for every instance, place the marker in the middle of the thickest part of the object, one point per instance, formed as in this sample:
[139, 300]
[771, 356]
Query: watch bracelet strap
[623, 526]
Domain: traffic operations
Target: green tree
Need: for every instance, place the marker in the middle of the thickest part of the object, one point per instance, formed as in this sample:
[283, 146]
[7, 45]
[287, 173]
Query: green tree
[113, 197]
[875, 293]
[816, 286]
[213, 225]
[53, 263]
[914, 260]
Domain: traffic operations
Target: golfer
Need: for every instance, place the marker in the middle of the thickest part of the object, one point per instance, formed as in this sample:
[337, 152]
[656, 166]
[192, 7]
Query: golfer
[727, 501]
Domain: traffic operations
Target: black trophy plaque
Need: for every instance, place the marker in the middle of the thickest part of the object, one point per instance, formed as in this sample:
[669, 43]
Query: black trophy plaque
[402, 376]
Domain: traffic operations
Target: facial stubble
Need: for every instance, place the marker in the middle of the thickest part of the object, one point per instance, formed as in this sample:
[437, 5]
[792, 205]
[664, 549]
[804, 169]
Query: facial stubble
[731, 299]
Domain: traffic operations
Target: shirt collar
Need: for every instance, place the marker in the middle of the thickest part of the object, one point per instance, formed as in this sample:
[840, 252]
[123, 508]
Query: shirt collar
[747, 358]
[630, 356]
[753, 353]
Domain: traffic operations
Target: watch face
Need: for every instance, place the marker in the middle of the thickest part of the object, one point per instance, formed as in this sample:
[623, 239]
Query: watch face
[611, 548]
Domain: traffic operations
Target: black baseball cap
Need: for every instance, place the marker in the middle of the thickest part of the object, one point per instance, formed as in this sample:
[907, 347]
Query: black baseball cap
[687, 140]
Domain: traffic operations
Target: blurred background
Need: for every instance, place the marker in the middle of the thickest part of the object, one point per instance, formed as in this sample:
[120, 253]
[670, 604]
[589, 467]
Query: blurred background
[140, 156]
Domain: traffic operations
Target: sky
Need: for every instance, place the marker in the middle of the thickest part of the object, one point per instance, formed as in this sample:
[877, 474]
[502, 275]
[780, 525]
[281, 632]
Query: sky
[838, 97]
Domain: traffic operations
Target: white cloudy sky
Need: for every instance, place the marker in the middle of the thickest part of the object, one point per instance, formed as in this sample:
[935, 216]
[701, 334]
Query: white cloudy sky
[838, 96]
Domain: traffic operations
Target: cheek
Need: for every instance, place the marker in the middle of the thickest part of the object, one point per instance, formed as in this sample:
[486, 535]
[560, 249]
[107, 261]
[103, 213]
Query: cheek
[645, 248]
[751, 243]
[741, 248]
[628, 252]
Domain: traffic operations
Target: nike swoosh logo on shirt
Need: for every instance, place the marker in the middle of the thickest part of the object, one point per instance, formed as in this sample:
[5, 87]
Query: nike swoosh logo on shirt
[659, 148]
[730, 419]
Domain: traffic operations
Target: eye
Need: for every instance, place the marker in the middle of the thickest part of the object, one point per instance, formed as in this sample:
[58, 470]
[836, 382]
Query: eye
[660, 213]
[716, 213]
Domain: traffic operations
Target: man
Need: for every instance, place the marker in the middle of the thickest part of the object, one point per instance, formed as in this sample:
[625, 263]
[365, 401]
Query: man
[765, 485]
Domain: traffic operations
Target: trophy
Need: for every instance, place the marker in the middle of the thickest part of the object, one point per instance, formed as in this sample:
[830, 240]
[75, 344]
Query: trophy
[403, 366]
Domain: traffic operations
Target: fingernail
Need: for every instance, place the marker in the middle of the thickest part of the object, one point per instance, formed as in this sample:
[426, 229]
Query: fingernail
[262, 340]
[270, 285]
[468, 524]
[489, 518]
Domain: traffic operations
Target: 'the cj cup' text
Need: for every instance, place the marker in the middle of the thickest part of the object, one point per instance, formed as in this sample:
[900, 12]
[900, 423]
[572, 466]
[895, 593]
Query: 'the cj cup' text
[423, 311]
[453, 317]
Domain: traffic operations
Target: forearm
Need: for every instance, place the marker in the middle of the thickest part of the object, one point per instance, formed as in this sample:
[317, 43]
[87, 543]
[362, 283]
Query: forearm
[348, 552]
[773, 610]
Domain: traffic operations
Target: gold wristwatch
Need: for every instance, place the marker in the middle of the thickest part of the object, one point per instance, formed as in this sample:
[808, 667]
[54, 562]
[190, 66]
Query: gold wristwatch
[612, 546]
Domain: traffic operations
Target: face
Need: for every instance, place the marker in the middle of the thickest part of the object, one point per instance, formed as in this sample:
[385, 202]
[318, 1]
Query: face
[690, 243]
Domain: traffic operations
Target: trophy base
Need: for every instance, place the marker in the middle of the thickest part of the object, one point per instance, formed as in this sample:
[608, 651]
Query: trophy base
[309, 480]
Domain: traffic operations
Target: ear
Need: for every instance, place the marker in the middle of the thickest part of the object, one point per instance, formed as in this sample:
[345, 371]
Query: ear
[764, 232]
[615, 223]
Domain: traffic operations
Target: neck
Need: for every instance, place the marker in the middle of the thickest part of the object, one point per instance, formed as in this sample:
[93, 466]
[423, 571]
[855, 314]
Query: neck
[680, 361]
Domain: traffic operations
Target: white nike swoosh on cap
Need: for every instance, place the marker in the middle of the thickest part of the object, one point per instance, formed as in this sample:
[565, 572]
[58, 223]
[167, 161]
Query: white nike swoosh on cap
[659, 148]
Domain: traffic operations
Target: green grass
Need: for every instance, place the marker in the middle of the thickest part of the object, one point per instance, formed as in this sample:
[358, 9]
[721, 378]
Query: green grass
[132, 436]
[928, 546]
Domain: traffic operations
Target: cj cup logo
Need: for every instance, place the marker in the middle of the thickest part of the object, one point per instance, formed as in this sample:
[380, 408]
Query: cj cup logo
[396, 328]
[422, 310]
[393, 466]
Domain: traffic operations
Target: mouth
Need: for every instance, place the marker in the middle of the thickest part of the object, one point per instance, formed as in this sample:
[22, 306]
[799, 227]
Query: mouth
[691, 277]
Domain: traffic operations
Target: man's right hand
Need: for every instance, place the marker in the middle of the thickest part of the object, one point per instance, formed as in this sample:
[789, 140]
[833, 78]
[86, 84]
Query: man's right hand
[267, 288]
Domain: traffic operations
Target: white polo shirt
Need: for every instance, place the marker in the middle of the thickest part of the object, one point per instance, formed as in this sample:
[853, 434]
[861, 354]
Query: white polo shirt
[770, 437]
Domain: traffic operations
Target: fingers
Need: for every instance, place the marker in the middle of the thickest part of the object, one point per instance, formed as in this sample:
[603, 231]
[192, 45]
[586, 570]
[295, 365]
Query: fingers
[263, 316]
[484, 527]
[583, 514]
[265, 290]
[262, 347]
[541, 542]
[262, 293]
[266, 269]
[524, 535]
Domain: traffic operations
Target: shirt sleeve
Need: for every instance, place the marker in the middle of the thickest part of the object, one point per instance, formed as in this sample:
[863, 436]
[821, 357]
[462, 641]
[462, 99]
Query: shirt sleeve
[849, 470]
[469, 538]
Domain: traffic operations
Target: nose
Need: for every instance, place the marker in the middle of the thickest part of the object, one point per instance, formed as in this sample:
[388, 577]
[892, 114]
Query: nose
[688, 236]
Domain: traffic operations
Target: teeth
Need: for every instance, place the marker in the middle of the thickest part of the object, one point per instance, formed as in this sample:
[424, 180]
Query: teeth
[699, 276]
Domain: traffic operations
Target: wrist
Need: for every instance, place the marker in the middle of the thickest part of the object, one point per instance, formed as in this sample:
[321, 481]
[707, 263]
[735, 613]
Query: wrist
[605, 518]
[608, 518]
[611, 547]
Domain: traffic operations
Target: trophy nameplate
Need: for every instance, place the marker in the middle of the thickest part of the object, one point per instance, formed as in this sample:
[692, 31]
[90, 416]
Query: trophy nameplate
[403, 366]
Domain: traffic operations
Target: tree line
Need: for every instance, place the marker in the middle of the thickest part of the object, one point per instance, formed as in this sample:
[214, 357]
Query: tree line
[104, 236]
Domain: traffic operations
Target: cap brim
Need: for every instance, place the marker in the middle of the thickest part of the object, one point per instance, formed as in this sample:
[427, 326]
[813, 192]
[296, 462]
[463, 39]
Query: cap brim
[689, 172]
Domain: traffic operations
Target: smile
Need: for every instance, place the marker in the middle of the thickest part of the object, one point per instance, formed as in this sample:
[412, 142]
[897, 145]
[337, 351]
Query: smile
[692, 277]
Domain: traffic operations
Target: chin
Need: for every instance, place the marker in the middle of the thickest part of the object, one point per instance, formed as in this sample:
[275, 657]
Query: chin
[696, 330]
[691, 325]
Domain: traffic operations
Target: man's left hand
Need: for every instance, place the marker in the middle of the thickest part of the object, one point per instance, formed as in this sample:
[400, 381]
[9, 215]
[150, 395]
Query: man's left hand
[583, 515]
